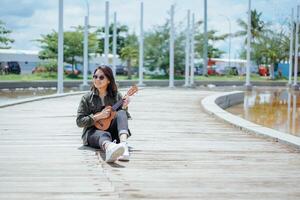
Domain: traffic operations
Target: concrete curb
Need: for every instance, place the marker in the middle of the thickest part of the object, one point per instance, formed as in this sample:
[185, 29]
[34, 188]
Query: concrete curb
[125, 83]
[27, 100]
[215, 104]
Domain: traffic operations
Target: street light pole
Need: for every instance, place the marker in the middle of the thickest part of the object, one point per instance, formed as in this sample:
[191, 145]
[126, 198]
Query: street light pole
[141, 45]
[192, 50]
[205, 40]
[85, 86]
[229, 46]
[229, 43]
[60, 60]
[171, 71]
[115, 44]
[248, 85]
[295, 85]
[187, 50]
[291, 48]
[106, 41]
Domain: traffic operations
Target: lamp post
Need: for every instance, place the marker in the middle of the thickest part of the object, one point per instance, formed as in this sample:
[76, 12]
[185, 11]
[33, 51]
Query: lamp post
[60, 60]
[291, 49]
[141, 45]
[187, 51]
[115, 44]
[85, 85]
[192, 47]
[205, 40]
[295, 85]
[106, 41]
[248, 84]
[229, 45]
[171, 71]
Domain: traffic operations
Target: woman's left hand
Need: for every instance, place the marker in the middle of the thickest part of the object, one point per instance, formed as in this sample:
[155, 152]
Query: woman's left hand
[126, 101]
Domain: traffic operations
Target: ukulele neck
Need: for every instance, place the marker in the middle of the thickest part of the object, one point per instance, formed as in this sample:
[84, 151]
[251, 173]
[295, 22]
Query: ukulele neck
[117, 105]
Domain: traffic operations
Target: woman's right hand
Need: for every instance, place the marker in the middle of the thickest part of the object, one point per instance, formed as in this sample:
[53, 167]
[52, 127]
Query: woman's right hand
[105, 113]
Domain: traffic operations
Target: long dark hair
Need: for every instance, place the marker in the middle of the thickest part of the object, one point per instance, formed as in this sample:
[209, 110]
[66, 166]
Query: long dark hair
[112, 89]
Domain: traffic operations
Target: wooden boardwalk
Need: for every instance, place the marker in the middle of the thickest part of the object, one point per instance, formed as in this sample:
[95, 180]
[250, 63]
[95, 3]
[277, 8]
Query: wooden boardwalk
[178, 152]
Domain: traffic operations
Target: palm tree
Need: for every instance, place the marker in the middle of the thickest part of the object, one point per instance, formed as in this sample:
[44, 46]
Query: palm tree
[129, 52]
[4, 32]
[212, 36]
[274, 47]
[258, 27]
[122, 30]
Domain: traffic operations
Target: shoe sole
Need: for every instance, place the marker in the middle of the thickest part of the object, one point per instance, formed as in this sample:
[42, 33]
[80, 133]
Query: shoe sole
[123, 158]
[115, 155]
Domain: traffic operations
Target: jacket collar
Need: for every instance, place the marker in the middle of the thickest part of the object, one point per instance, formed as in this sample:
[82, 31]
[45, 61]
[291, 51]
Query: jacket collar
[95, 92]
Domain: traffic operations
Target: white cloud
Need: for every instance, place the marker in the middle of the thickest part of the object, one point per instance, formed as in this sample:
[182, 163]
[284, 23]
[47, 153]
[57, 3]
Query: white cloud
[30, 18]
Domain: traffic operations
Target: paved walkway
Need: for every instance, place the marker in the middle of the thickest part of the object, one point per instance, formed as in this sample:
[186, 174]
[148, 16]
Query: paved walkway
[178, 152]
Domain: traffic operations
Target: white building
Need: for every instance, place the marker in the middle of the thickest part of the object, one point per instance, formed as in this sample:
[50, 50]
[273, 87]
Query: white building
[26, 58]
[221, 65]
[29, 59]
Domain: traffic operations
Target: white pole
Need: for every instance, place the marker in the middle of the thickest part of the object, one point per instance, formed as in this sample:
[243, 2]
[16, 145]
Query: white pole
[171, 73]
[115, 44]
[291, 49]
[205, 40]
[248, 85]
[192, 50]
[60, 60]
[187, 50]
[289, 113]
[229, 42]
[229, 45]
[141, 46]
[294, 113]
[106, 41]
[295, 86]
[84, 85]
[85, 51]
[246, 105]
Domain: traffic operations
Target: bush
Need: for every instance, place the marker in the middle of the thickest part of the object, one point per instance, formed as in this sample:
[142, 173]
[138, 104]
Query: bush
[49, 66]
[39, 69]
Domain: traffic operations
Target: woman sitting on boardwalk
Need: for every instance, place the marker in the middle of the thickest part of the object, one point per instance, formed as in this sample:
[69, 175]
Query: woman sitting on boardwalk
[95, 106]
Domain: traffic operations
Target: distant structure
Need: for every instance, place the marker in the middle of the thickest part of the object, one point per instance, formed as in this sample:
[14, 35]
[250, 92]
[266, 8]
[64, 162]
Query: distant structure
[29, 59]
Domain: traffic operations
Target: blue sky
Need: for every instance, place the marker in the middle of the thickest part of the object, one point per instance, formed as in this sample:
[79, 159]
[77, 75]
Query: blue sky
[28, 19]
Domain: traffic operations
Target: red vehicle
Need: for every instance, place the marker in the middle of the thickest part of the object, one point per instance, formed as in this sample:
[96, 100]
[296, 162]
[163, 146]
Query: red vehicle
[263, 70]
[211, 71]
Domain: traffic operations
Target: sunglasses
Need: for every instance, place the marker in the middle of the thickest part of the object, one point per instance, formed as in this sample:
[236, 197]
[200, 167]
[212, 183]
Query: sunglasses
[101, 77]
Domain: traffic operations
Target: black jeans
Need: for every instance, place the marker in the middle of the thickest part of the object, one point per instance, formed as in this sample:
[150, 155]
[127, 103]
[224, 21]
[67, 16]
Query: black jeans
[118, 126]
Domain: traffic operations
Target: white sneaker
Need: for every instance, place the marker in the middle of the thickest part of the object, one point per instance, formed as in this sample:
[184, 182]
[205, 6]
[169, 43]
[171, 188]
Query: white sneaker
[125, 156]
[113, 152]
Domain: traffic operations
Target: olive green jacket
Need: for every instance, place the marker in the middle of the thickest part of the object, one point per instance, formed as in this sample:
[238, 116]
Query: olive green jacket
[90, 104]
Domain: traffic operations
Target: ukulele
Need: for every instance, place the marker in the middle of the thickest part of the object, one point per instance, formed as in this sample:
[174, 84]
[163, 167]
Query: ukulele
[103, 124]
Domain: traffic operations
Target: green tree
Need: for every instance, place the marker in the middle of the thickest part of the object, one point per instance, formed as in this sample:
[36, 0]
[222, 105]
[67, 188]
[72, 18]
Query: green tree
[157, 49]
[212, 51]
[258, 27]
[73, 45]
[4, 39]
[129, 52]
[260, 33]
[157, 46]
[272, 48]
[122, 31]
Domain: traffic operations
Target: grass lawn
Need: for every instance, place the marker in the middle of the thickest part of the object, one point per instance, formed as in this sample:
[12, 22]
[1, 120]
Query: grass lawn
[53, 76]
[36, 77]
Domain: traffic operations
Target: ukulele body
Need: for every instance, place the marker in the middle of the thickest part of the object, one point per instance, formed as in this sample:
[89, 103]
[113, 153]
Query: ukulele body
[103, 124]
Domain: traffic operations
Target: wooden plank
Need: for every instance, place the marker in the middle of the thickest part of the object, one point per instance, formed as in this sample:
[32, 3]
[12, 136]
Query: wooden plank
[178, 152]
